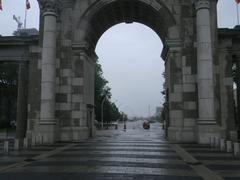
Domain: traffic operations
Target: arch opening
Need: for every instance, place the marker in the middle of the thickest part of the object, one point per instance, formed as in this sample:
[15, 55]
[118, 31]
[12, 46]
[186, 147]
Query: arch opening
[133, 50]
[103, 16]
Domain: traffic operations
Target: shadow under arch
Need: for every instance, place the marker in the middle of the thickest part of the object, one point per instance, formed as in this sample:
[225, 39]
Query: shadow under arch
[102, 15]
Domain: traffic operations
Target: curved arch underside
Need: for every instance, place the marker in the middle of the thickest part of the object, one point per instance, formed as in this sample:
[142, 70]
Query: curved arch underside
[106, 15]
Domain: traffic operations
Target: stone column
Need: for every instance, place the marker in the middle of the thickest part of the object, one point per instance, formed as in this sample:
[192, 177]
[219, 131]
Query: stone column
[47, 123]
[22, 100]
[205, 72]
[238, 92]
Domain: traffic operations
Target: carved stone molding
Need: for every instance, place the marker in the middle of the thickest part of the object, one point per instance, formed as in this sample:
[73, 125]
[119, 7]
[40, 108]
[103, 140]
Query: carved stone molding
[50, 6]
[202, 4]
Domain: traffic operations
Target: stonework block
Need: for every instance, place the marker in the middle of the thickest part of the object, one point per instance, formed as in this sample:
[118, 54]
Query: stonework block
[205, 88]
[63, 114]
[190, 113]
[176, 105]
[65, 122]
[176, 9]
[173, 32]
[189, 122]
[190, 105]
[66, 72]
[189, 79]
[189, 96]
[76, 122]
[65, 63]
[77, 81]
[66, 43]
[184, 61]
[78, 68]
[77, 89]
[58, 63]
[64, 106]
[228, 81]
[65, 89]
[207, 106]
[216, 69]
[61, 98]
[76, 106]
[57, 81]
[39, 66]
[34, 49]
[175, 97]
[156, 5]
[64, 80]
[187, 70]
[77, 98]
[177, 88]
[176, 114]
[176, 122]
[77, 114]
[189, 87]
[176, 78]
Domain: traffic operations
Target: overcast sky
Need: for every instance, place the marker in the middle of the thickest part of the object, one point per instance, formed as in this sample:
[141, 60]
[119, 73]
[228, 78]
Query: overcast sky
[129, 54]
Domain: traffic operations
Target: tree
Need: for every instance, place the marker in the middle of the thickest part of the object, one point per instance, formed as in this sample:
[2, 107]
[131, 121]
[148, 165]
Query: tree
[103, 92]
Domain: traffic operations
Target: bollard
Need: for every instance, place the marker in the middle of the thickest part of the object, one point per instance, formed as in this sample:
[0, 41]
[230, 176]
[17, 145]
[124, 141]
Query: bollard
[229, 146]
[33, 141]
[222, 144]
[16, 144]
[25, 143]
[39, 139]
[45, 139]
[42, 139]
[6, 147]
[236, 149]
[216, 142]
[212, 141]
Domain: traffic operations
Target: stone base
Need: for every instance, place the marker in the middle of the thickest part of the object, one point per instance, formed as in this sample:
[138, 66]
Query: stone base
[176, 134]
[48, 134]
[207, 131]
[74, 134]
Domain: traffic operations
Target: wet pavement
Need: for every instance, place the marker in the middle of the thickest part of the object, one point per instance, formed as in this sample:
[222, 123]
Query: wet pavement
[134, 154]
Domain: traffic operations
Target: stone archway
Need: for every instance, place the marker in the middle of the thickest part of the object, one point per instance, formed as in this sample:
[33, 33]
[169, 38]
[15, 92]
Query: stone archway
[70, 32]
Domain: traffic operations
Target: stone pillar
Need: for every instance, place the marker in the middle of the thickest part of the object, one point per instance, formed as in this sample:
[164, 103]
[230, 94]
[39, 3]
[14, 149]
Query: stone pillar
[47, 123]
[205, 72]
[22, 100]
[238, 91]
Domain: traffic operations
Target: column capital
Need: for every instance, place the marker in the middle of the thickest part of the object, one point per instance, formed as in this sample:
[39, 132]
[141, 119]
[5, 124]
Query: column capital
[52, 7]
[201, 4]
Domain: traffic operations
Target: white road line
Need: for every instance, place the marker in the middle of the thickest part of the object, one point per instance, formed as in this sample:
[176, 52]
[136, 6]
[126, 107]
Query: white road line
[200, 169]
[39, 157]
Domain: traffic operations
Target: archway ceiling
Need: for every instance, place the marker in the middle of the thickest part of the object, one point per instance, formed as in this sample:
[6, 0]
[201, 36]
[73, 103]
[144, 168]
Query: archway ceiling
[128, 11]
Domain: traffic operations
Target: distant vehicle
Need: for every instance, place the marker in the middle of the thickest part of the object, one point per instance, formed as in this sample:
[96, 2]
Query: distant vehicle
[146, 125]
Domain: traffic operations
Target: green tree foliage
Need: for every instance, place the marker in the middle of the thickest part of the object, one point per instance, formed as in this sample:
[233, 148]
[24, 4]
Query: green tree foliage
[110, 110]
[8, 93]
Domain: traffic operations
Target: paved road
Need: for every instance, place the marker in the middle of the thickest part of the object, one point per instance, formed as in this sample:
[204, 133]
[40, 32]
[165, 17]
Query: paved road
[134, 154]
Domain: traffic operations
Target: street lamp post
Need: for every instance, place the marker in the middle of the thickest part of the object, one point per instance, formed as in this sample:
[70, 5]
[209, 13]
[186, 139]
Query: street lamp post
[104, 98]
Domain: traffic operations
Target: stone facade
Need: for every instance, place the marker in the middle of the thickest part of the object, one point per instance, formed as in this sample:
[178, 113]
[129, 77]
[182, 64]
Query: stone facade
[61, 97]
